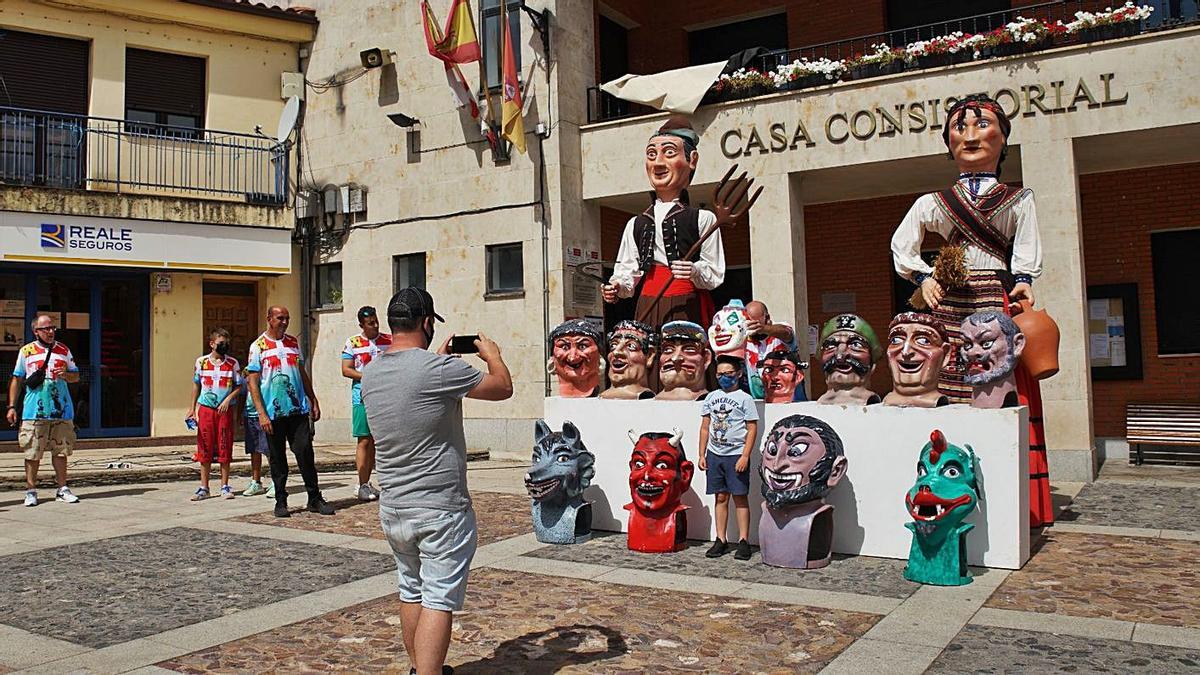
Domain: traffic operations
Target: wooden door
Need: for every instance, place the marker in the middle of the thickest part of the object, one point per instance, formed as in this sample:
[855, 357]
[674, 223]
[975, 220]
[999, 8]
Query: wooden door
[237, 314]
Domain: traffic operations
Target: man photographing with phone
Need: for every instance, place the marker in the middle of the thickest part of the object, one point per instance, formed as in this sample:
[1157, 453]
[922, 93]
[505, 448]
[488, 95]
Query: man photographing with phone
[413, 400]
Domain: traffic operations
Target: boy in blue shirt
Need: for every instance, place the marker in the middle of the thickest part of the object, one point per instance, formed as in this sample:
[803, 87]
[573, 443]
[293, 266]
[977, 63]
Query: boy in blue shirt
[727, 434]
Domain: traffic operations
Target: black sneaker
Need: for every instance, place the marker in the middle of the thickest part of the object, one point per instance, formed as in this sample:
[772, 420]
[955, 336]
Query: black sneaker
[321, 506]
[718, 549]
[281, 511]
[446, 670]
[743, 550]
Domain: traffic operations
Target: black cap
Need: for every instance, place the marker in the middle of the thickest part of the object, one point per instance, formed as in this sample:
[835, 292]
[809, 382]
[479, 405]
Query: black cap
[365, 312]
[412, 303]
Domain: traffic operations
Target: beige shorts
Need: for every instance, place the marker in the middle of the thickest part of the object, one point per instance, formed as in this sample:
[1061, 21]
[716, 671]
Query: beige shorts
[38, 436]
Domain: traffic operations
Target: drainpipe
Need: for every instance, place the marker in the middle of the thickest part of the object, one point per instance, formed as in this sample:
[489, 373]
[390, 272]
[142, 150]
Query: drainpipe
[545, 259]
[305, 235]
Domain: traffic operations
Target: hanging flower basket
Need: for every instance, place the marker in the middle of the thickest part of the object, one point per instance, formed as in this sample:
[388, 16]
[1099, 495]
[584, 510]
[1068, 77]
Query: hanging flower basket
[805, 82]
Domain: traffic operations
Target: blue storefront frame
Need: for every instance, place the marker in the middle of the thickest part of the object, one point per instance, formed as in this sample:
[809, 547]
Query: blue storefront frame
[95, 277]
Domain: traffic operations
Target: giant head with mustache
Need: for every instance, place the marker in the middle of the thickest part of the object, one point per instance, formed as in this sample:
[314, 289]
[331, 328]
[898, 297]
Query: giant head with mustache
[632, 351]
[683, 361]
[576, 358]
[991, 344]
[849, 352]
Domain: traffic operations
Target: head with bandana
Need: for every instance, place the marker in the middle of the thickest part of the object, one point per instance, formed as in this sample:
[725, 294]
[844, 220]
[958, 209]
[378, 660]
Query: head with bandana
[976, 133]
[671, 158]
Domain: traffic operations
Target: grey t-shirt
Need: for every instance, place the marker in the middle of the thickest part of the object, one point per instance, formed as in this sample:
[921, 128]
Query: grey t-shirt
[413, 399]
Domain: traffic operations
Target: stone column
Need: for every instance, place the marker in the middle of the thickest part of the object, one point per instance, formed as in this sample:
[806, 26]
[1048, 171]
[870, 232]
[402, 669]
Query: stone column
[1048, 168]
[780, 271]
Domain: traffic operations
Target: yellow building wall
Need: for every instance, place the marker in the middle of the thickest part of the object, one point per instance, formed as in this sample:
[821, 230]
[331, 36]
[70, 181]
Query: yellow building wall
[243, 75]
[176, 326]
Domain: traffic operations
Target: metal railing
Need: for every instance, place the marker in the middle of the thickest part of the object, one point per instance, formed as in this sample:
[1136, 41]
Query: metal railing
[1167, 14]
[79, 152]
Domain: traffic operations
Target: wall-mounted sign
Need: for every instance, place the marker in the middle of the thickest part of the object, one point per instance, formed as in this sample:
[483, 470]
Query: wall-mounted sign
[1114, 332]
[84, 240]
[162, 283]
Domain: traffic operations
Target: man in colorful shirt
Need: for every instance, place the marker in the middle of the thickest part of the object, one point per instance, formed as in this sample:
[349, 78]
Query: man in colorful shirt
[44, 367]
[215, 388]
[287, 408]
[360, 350]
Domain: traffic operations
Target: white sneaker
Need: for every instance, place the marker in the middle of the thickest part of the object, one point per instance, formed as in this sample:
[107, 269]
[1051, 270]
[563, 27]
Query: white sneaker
[374, 490]
[65, 495]
[31, 498]
[366, 494]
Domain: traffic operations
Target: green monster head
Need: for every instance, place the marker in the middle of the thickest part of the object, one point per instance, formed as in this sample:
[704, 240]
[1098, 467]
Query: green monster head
[945, 492]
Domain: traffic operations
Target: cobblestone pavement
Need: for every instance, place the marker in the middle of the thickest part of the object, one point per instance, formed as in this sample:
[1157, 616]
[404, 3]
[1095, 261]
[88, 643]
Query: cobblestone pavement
[1126, 578]
[135, 576]
[1156, 507]
[519, 623]
[981, 649]
[500, 516]
[113, 590]
[846, 574]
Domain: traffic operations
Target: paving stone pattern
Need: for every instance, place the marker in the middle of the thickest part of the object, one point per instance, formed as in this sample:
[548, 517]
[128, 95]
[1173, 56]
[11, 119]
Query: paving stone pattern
[500, 516]
[847, 574]
[1126, 578]
[1132, 505]
[522, 623]
[983, 649]
[110, 591]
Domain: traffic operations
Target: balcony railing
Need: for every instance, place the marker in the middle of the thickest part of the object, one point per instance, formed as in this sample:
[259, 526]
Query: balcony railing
[78, 152]
[1167, 14]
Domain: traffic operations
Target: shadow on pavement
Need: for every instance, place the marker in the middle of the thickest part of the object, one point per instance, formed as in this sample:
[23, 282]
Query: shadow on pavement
[551, 650]
[44, 497]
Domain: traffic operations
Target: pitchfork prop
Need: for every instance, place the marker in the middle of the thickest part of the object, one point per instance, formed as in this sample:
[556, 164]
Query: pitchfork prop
[730, 203]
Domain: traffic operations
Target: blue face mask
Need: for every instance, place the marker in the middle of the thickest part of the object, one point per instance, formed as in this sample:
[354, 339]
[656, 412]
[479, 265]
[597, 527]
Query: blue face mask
[727, 381]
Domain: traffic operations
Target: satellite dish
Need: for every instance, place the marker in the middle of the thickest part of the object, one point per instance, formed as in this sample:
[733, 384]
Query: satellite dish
[287, 120]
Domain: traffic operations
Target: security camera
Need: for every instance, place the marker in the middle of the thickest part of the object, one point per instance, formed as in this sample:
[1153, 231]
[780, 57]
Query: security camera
[374, 57]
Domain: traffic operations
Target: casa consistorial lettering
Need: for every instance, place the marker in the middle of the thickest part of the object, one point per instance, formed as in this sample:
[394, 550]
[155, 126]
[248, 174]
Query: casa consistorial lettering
[914, 117]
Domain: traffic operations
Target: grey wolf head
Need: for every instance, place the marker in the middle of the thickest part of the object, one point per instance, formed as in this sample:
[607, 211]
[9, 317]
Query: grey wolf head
[561, 467]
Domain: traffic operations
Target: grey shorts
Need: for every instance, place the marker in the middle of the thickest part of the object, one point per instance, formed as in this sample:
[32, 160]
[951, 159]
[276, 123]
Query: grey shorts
[433, 550]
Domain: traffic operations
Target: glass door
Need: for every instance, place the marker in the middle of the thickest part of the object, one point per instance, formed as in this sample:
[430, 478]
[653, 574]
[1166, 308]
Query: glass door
[68, 300]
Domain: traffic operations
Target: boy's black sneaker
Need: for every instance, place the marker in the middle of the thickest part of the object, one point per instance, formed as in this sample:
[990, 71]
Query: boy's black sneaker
[718, 549]
[321, 506]
[743, 550]
[281, 511]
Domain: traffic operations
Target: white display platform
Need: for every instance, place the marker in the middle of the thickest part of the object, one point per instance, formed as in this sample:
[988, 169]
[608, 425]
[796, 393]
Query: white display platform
[881, 444]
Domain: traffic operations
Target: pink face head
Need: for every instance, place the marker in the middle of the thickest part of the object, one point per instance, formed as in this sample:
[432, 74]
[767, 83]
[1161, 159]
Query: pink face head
[781, 374]
[575, 356]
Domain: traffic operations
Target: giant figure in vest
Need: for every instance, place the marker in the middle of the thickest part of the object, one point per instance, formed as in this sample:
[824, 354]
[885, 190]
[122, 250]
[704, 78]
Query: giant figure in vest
[654, 243]
[992, 256]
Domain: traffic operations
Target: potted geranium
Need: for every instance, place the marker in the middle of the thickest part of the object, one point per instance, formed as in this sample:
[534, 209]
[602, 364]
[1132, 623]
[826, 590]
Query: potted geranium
[1027, 35]
[942, 50]
[881, 60]
[802, 73]
[1124, 21]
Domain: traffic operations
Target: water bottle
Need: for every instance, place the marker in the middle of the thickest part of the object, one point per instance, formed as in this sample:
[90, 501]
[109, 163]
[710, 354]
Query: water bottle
[190, 422]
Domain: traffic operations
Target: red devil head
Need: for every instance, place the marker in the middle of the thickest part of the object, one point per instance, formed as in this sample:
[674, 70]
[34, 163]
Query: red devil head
[659, 473]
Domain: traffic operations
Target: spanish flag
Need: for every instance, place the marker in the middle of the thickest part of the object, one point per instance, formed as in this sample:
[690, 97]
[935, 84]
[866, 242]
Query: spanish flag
[512, 126]
[457, 43]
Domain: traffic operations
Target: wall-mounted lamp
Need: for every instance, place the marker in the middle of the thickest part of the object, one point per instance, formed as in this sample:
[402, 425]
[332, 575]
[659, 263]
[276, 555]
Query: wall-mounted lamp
[414, 134]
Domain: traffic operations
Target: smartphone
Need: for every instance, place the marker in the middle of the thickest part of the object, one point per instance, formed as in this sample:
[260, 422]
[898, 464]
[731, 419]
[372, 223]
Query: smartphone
[464, 344]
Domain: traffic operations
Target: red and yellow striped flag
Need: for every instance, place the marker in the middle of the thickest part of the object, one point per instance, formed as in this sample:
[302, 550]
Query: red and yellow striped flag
[512, 126]
[457, 43]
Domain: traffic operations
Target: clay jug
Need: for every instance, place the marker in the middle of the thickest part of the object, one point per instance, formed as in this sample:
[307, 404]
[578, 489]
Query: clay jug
[1041, 341]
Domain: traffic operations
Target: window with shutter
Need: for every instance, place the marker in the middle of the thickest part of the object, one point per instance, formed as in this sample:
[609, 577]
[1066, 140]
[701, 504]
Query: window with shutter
[166, 92]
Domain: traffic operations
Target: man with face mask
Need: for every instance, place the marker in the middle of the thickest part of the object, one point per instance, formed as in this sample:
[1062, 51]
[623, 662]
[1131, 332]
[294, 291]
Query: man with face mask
[654, 243]
[44, 367]
[216, 384]
[413, 398]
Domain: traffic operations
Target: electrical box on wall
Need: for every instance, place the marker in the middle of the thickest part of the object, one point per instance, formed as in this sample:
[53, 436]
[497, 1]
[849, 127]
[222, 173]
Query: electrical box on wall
[291, 84]
[357, 199]
[306, 204]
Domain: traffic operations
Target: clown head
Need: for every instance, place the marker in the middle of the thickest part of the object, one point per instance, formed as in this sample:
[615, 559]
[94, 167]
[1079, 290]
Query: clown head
[782, 372]
[976, 133]
[802, 460]
[991, 345]
[946, 490]
[683, 361]
[671, 158]
[632, 348]
[575, 357]
[918, 349]
[849, 351]
[727, 334]
[659, 473]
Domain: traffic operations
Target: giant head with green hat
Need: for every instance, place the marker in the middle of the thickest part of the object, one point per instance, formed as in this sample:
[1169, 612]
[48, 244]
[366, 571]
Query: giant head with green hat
[849, 351]
[671, 158]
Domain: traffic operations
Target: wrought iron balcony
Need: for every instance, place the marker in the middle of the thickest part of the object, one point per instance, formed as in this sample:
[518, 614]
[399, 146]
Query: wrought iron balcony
[78, 152]
[848, 55]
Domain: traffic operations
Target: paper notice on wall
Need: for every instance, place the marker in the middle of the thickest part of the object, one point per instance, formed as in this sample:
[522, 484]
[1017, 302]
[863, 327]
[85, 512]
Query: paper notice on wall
[1098, 309]
[812, 339]
[78, 321]
[584, 292]
[839, 303]
[12, 331]
[1116, 349]
[1098, 346]
[13, 309]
